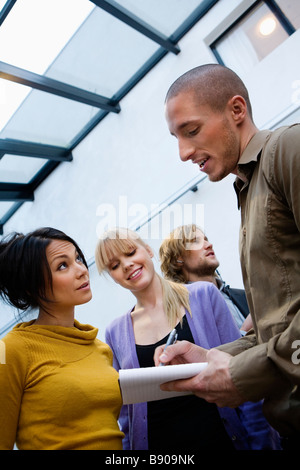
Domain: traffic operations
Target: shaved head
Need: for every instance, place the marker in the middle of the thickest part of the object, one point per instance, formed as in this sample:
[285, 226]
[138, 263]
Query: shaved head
[213, 85]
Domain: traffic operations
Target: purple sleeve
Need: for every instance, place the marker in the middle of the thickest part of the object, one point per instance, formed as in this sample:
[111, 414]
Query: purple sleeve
[227, 327]
[211, 322]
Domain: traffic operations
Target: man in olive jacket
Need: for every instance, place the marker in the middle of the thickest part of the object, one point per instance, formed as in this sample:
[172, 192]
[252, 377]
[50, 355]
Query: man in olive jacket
[209, 112]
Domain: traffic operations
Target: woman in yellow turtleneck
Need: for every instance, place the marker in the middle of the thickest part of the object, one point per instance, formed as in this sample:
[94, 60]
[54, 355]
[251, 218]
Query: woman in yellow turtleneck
[58, 389]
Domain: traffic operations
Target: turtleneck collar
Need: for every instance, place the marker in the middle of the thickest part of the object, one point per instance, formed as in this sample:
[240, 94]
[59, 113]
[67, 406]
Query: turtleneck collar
[79, 333]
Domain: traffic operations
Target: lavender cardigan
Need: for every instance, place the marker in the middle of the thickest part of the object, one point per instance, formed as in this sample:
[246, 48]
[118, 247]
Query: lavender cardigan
[211, 324]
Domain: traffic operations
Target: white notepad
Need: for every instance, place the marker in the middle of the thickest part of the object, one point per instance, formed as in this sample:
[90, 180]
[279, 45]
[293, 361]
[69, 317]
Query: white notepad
[143, 384]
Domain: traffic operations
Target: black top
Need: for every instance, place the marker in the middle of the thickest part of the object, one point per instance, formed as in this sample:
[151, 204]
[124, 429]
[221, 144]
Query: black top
[182, 423]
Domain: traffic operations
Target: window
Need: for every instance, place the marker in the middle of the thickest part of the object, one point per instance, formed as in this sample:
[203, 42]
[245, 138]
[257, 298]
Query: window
[291, 9]
[18, 169]
[259, 31]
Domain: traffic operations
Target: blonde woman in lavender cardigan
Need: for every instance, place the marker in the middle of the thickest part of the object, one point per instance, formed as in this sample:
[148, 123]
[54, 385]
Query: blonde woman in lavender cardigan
[200, 315]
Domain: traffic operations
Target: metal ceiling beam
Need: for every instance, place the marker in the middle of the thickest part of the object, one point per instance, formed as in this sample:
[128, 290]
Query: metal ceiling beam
[199, 12]
[31, 149]
[6, 9]
[44, 172]
[16, 192]
[16, 206]
[115, 9]
[49, 85]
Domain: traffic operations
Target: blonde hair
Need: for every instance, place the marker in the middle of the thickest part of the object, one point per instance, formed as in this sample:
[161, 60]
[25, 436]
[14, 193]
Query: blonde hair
[123, 240]
[172, 248]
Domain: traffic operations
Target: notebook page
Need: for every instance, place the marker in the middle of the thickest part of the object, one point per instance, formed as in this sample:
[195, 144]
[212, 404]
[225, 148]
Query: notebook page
[143, 384]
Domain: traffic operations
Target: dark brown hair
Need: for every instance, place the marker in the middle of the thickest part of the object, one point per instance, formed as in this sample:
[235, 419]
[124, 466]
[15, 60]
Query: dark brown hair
[24, 270]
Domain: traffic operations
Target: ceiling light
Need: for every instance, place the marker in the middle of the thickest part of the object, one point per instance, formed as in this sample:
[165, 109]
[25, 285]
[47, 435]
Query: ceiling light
[267, 26]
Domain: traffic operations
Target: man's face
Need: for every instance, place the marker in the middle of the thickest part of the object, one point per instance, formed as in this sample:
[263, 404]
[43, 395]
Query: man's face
[199, 258]
[206, 137]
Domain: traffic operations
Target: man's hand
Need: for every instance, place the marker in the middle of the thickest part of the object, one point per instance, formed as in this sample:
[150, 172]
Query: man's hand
[182, 352]
[214, 383]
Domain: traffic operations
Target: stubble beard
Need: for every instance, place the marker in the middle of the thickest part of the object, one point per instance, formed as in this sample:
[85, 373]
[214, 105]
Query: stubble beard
[230, 155]
[203, 270]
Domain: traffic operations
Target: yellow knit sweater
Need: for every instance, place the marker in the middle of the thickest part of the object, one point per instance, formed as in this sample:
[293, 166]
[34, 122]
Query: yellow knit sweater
[58, 390]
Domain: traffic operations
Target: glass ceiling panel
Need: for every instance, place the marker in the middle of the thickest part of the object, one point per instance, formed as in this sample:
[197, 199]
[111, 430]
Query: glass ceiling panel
[79, 44]
[27, 44]
[165, 16]
[48, 119]
[17, 169]
[11, 95]
[103, 55]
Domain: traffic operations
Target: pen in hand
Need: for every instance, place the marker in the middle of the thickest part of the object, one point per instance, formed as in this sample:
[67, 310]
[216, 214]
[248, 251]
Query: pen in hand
[171, 340]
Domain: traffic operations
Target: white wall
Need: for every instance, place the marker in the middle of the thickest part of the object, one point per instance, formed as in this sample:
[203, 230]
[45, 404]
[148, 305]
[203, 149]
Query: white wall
[132, 155]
